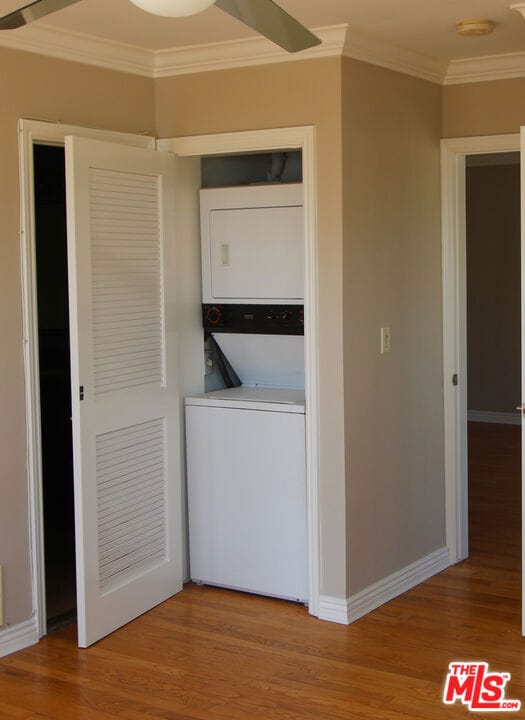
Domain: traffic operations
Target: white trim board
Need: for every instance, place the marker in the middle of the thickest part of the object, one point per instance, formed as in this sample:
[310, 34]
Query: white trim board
[333, 609]
[79, 47]
[91, 50]
[348, 611]
[482, 69]
[384, 54]
[337, 41]
[242, 53]
[500, 418]
[453, 223]
[18, 637]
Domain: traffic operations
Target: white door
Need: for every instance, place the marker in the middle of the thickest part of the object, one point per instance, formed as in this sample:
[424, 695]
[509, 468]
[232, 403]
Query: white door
[126, 439]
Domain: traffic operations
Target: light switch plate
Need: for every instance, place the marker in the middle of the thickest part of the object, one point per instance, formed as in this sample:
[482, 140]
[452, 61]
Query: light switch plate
[385, 340]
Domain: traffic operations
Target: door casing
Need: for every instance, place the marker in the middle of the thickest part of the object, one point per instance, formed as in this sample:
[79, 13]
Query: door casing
[294, 138]
[453, 224]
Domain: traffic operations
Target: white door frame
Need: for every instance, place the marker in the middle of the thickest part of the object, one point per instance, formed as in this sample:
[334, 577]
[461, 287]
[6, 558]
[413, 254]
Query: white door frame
[293, 138]
[37, 132]
[453, 153]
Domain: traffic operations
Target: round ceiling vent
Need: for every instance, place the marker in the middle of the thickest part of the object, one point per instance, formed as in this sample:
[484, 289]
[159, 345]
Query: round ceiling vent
[475, 26]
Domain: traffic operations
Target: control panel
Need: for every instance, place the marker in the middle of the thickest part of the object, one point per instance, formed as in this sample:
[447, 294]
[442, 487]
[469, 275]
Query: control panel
[260, 319]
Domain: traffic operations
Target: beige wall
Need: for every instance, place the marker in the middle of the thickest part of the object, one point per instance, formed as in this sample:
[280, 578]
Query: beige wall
[381, 445]
[298, 93]
[392, 277]
[35, 86]
[493, 287]
[485, 108]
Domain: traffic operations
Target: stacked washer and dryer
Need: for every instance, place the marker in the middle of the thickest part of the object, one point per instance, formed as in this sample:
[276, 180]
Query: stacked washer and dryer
[246, 442]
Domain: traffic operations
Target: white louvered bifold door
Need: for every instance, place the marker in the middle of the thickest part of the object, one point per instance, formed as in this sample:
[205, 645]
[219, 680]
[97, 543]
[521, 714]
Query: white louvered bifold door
[124, 382]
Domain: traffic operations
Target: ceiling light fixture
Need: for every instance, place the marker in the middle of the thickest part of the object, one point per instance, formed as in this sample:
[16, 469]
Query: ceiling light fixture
[173, 8]
[519, 7]
[473, 27]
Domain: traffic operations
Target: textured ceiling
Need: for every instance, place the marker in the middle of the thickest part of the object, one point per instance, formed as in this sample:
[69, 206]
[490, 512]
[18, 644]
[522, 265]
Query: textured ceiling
[423, 26]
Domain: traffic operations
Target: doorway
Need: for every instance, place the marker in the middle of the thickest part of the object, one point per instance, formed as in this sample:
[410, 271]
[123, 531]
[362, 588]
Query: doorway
[188, 152]
[454, 251]
[33, 133]
[55, 384]
[493, 278]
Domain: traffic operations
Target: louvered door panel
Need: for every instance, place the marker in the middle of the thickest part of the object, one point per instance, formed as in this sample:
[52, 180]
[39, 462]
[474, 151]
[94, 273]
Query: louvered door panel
[131, 485]
[126, 429]
[126, 280]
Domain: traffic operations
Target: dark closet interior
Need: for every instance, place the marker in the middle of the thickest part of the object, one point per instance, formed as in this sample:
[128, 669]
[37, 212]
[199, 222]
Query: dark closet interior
[55, 383]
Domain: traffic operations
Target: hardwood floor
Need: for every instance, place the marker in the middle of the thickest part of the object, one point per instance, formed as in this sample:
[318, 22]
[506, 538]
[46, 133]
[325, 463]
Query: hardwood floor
[213, 654]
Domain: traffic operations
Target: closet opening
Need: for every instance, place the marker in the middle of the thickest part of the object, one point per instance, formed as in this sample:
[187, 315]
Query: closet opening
[247, 493]
[55, 385]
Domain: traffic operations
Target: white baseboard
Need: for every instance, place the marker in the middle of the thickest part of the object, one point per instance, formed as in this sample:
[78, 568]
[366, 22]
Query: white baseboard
[347, 611]
[396, 584]
[18, 637]
[333, 609]
[487, 416]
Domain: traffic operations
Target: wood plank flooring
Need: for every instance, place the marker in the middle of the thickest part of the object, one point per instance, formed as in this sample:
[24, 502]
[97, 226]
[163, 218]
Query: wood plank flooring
[209, 653]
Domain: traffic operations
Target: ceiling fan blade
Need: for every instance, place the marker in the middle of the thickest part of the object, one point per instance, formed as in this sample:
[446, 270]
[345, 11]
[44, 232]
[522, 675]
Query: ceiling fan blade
[33, 11]
[273, 22]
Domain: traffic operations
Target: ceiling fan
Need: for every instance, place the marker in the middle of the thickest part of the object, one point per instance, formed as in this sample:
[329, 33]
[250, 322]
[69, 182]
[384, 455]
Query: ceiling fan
[264, 16]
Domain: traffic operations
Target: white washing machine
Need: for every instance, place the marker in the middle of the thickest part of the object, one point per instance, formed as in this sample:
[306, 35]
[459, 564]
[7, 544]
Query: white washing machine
[247, 490]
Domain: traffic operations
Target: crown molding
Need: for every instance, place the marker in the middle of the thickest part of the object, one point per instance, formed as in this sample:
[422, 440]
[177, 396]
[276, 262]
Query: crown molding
[376, 52]
[79, 47]
[243, 53]
[483, 69]
[337, 40]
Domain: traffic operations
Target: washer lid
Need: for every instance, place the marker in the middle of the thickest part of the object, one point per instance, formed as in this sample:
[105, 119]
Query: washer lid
[253, 398]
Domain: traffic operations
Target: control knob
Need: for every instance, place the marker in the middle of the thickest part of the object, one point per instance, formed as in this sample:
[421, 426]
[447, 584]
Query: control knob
[213, 315]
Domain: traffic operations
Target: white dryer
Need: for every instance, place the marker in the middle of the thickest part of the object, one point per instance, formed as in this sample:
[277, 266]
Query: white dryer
[247, 490]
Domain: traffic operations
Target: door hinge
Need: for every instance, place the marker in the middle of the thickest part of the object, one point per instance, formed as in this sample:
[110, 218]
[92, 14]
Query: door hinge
[81, 392]
[455, 380]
